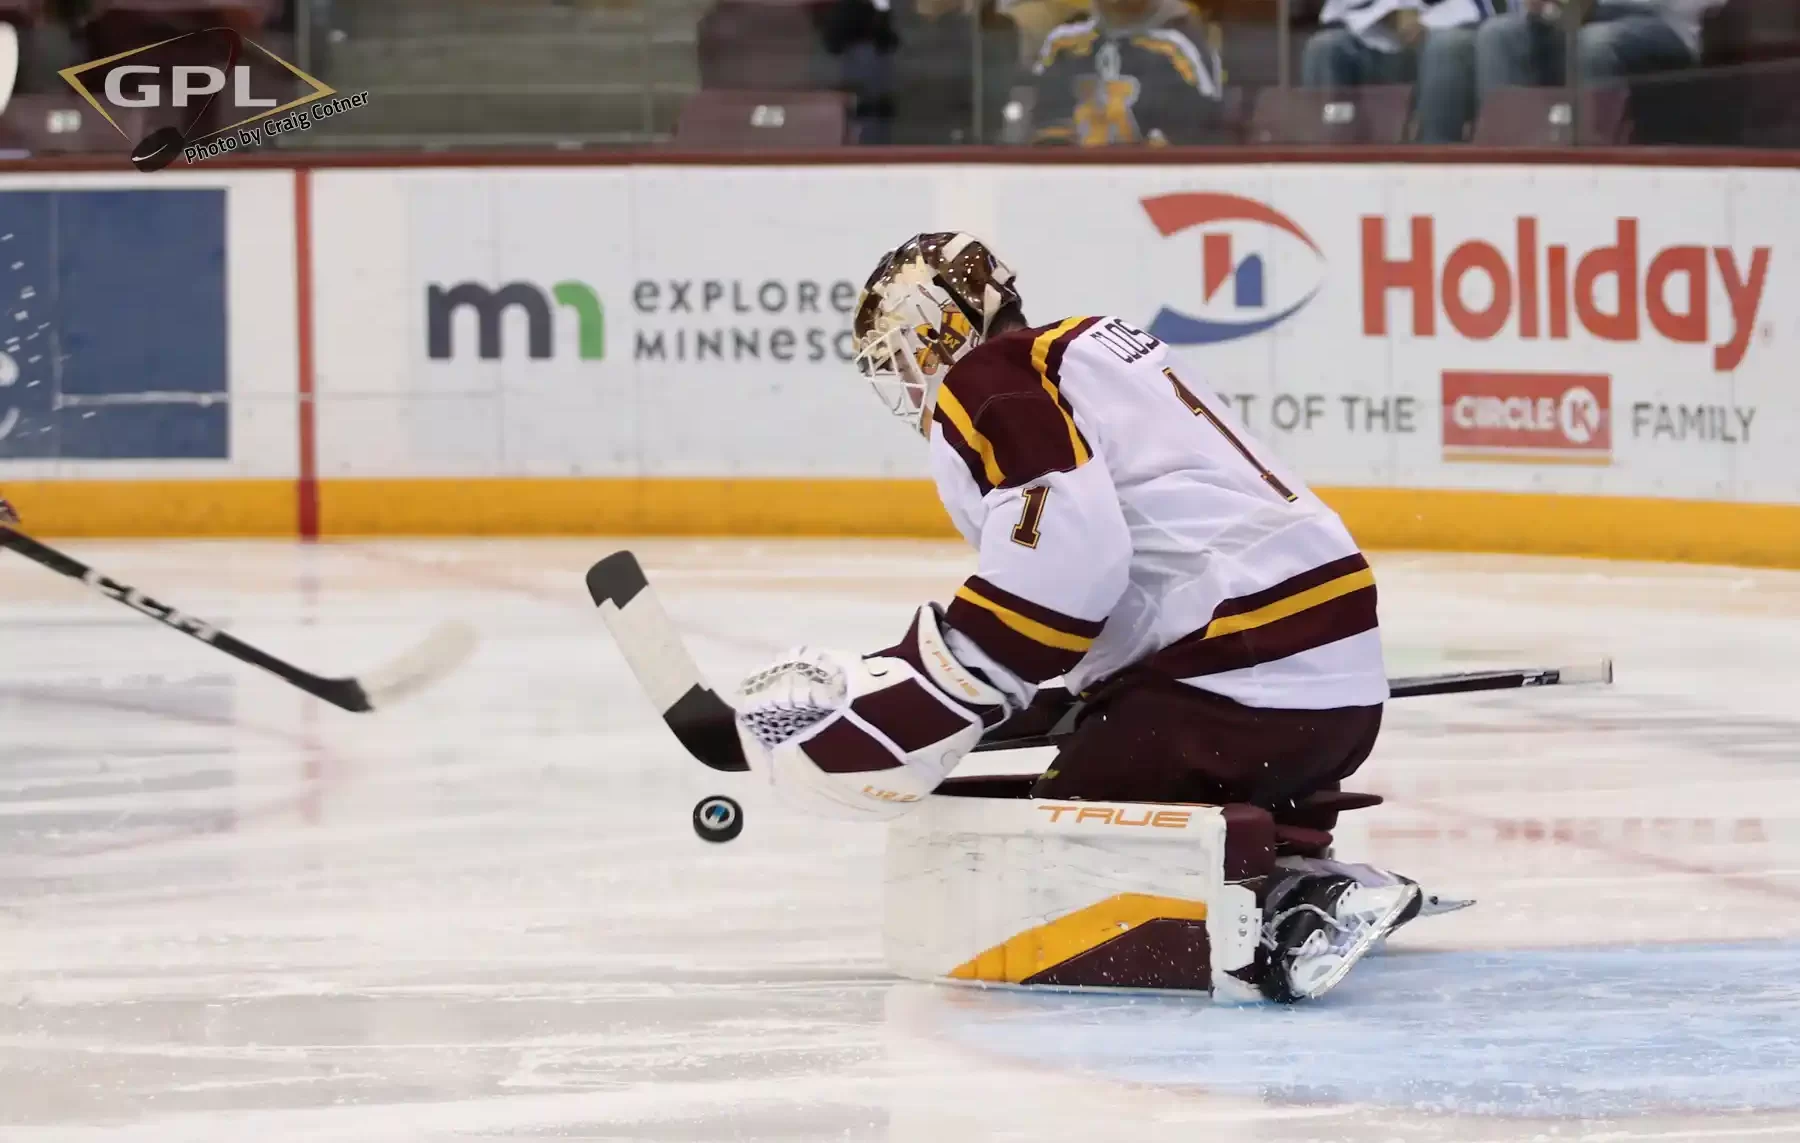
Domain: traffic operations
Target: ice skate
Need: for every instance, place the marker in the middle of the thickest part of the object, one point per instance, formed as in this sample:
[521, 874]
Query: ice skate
[1318, 927]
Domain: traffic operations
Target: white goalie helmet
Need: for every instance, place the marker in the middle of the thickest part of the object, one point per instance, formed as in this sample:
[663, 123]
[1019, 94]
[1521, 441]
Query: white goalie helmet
[930, 301]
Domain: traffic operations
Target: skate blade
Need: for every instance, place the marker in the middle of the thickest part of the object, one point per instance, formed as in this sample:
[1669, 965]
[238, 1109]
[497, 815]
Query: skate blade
[1435, 906]
[1375, 934]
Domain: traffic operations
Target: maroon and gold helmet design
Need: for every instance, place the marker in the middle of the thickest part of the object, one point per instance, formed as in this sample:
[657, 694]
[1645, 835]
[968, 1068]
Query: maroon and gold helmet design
[929, 302]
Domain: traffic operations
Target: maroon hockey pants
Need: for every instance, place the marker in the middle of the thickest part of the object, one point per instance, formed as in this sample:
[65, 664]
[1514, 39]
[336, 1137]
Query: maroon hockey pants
[1159, 740]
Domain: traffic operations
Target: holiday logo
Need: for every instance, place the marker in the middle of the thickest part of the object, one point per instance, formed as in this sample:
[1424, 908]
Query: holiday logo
[1238, 243]
[1608, 287]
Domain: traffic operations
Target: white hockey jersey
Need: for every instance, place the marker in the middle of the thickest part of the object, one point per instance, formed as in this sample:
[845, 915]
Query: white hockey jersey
[1125, 519]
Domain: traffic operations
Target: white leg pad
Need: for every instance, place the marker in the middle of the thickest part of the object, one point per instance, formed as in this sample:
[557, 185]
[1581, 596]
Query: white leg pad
[1065, 894]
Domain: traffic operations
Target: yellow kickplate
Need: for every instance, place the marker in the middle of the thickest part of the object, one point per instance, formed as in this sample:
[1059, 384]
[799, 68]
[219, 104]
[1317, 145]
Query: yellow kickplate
[1049, 944]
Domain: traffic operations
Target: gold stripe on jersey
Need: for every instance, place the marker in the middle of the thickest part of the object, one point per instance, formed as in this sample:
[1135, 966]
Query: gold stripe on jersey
[1078, 38]
[1178, 59]
[1048, 372]
[1030, 628]
[1321, 605]
[1291, 605]
[959, 417]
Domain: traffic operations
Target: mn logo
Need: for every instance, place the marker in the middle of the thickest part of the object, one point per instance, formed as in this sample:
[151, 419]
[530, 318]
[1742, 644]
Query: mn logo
[200, 94]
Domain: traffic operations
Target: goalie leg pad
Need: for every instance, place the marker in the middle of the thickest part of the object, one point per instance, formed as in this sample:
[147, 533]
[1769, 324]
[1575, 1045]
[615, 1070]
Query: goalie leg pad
[1077, 894]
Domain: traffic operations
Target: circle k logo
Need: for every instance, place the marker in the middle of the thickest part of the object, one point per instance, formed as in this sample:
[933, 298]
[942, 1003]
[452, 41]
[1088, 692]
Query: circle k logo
[1579, 415]
[1240, 240]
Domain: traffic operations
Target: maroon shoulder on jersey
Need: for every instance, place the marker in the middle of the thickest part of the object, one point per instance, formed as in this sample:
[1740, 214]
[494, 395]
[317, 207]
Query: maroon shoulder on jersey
[1002, 410]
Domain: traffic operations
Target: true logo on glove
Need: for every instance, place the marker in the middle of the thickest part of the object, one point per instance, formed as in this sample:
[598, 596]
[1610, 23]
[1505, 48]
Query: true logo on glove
[888, 795]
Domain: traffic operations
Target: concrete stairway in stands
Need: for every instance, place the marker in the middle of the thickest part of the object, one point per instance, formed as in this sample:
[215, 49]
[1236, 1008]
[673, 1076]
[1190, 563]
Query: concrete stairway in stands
[472, 73]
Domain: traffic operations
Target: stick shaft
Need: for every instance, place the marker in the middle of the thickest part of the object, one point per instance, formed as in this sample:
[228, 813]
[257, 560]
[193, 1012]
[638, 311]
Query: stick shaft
[1416, 686]
[339, 692]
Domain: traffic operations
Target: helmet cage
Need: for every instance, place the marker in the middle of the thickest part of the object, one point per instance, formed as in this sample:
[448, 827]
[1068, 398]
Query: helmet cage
[926, 305]
[912, 342]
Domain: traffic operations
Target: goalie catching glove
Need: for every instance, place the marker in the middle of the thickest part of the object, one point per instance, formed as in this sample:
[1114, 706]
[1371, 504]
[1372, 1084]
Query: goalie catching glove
[866, 738]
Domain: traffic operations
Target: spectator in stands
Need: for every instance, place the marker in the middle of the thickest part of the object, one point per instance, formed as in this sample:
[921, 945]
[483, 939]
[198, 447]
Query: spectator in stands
[1427, 43]
[943, 92]
[1618, 39]
[860, 34]
[1136, 71]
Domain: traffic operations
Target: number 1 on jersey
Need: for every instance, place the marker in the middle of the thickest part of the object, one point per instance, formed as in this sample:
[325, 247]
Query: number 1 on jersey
[1025, 532]
[1199, 409]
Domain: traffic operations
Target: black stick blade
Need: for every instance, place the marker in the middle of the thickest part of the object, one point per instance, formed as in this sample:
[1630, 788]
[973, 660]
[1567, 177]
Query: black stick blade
[704, 722]
[617, 579]
[707, 726]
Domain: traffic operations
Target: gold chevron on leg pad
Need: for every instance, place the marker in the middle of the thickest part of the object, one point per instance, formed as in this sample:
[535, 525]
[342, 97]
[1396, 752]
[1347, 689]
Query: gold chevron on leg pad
[1042, 947]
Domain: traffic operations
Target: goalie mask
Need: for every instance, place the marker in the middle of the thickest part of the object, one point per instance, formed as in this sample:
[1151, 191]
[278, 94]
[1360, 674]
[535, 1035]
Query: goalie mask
[924, 308]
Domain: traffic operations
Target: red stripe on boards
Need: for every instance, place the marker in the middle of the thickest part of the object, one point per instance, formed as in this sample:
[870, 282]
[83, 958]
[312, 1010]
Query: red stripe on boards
[307, 487]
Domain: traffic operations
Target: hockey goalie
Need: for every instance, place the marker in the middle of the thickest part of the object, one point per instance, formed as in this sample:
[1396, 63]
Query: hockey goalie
[1215, 618]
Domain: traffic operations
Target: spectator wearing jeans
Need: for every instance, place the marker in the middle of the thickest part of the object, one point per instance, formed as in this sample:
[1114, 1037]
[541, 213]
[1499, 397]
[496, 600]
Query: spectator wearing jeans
[1618, 39]
[1136, 71]
[1428, 43]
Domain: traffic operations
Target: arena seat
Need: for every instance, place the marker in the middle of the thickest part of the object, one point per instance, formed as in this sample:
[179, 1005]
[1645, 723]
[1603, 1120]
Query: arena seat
[62, 125]
[762, 119]
[260, 11]
[759, 45]
[1543, 117]
[1772, 110]
[1375, 114]
[114, 26]
[22, 13]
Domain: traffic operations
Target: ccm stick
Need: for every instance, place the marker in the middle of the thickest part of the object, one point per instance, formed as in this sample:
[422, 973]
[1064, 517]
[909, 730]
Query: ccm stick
[441, 652]
[707, 725]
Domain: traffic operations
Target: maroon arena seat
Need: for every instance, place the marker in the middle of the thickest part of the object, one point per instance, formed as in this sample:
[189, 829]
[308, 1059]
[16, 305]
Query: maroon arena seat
[22, 13]
[59, 125]
[1542, 117]
[759, 45]
[1772, 110]
[259, 11]
[760, 119]
[114, 26]
[1375, 114]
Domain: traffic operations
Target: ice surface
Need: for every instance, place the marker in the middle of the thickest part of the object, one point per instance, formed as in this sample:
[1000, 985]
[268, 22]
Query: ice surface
[229, 913]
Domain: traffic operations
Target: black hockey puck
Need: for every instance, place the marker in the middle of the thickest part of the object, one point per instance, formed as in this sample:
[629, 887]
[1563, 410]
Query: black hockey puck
[718, 819]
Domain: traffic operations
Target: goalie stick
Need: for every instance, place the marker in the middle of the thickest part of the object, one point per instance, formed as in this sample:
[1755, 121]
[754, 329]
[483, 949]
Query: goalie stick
[441, 652]
[707, 725]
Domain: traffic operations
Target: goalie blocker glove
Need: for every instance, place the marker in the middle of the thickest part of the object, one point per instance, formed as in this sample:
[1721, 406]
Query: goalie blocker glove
[866, 738]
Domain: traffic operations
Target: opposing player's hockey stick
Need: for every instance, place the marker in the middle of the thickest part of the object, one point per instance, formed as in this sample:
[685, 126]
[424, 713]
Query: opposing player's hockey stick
[441, 652]
[706, 724]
